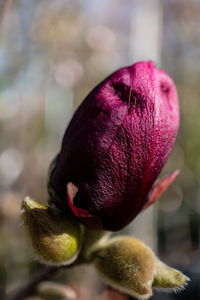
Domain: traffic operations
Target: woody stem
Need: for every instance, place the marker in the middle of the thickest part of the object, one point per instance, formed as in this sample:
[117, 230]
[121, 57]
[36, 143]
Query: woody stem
[29, 287]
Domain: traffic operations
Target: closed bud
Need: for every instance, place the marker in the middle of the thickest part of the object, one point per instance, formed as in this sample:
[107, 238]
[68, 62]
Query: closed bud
[115, 147]
[169, 279]
[55, 239]
[127, 265]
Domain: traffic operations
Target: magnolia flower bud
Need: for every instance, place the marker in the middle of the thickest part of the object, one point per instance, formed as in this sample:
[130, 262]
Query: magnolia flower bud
[115, 147]
[130, 266]
[55, 239]
[127, 265]
[169, 279]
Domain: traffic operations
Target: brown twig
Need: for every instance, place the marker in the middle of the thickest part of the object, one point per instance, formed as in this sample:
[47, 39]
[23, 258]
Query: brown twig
[44, 274]
[29, 287]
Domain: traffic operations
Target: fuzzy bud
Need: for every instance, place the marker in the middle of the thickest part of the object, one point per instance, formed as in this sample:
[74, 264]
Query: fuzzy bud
[55, 239]
[128, 265]
[169, 279]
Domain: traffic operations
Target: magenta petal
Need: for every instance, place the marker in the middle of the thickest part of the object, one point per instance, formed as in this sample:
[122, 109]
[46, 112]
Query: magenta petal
[116, 145]
[72, 190]
[86, 218]
[159, 187]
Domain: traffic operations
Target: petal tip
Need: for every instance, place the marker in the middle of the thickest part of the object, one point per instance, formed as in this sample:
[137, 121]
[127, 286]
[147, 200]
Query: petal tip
[72, 190]
[159, 187]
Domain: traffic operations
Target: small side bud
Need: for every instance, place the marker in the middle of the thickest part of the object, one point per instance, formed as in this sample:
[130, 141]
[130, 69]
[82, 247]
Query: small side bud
[127, 265]
[55, 290]
[55, 238]
[169, 279]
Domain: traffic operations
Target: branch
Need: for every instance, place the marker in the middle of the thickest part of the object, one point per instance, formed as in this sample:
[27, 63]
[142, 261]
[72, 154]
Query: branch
[43, 274]
[29, 287]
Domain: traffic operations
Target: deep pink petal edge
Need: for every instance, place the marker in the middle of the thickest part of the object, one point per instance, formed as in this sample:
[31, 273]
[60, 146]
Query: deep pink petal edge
[89, 220]
[159, 187]
[71, 193]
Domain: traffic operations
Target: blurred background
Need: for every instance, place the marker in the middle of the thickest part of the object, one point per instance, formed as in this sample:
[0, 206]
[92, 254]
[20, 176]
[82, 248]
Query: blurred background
[52, 53]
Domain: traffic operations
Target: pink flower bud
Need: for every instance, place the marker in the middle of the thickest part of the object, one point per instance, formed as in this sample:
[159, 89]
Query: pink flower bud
[116, 145]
